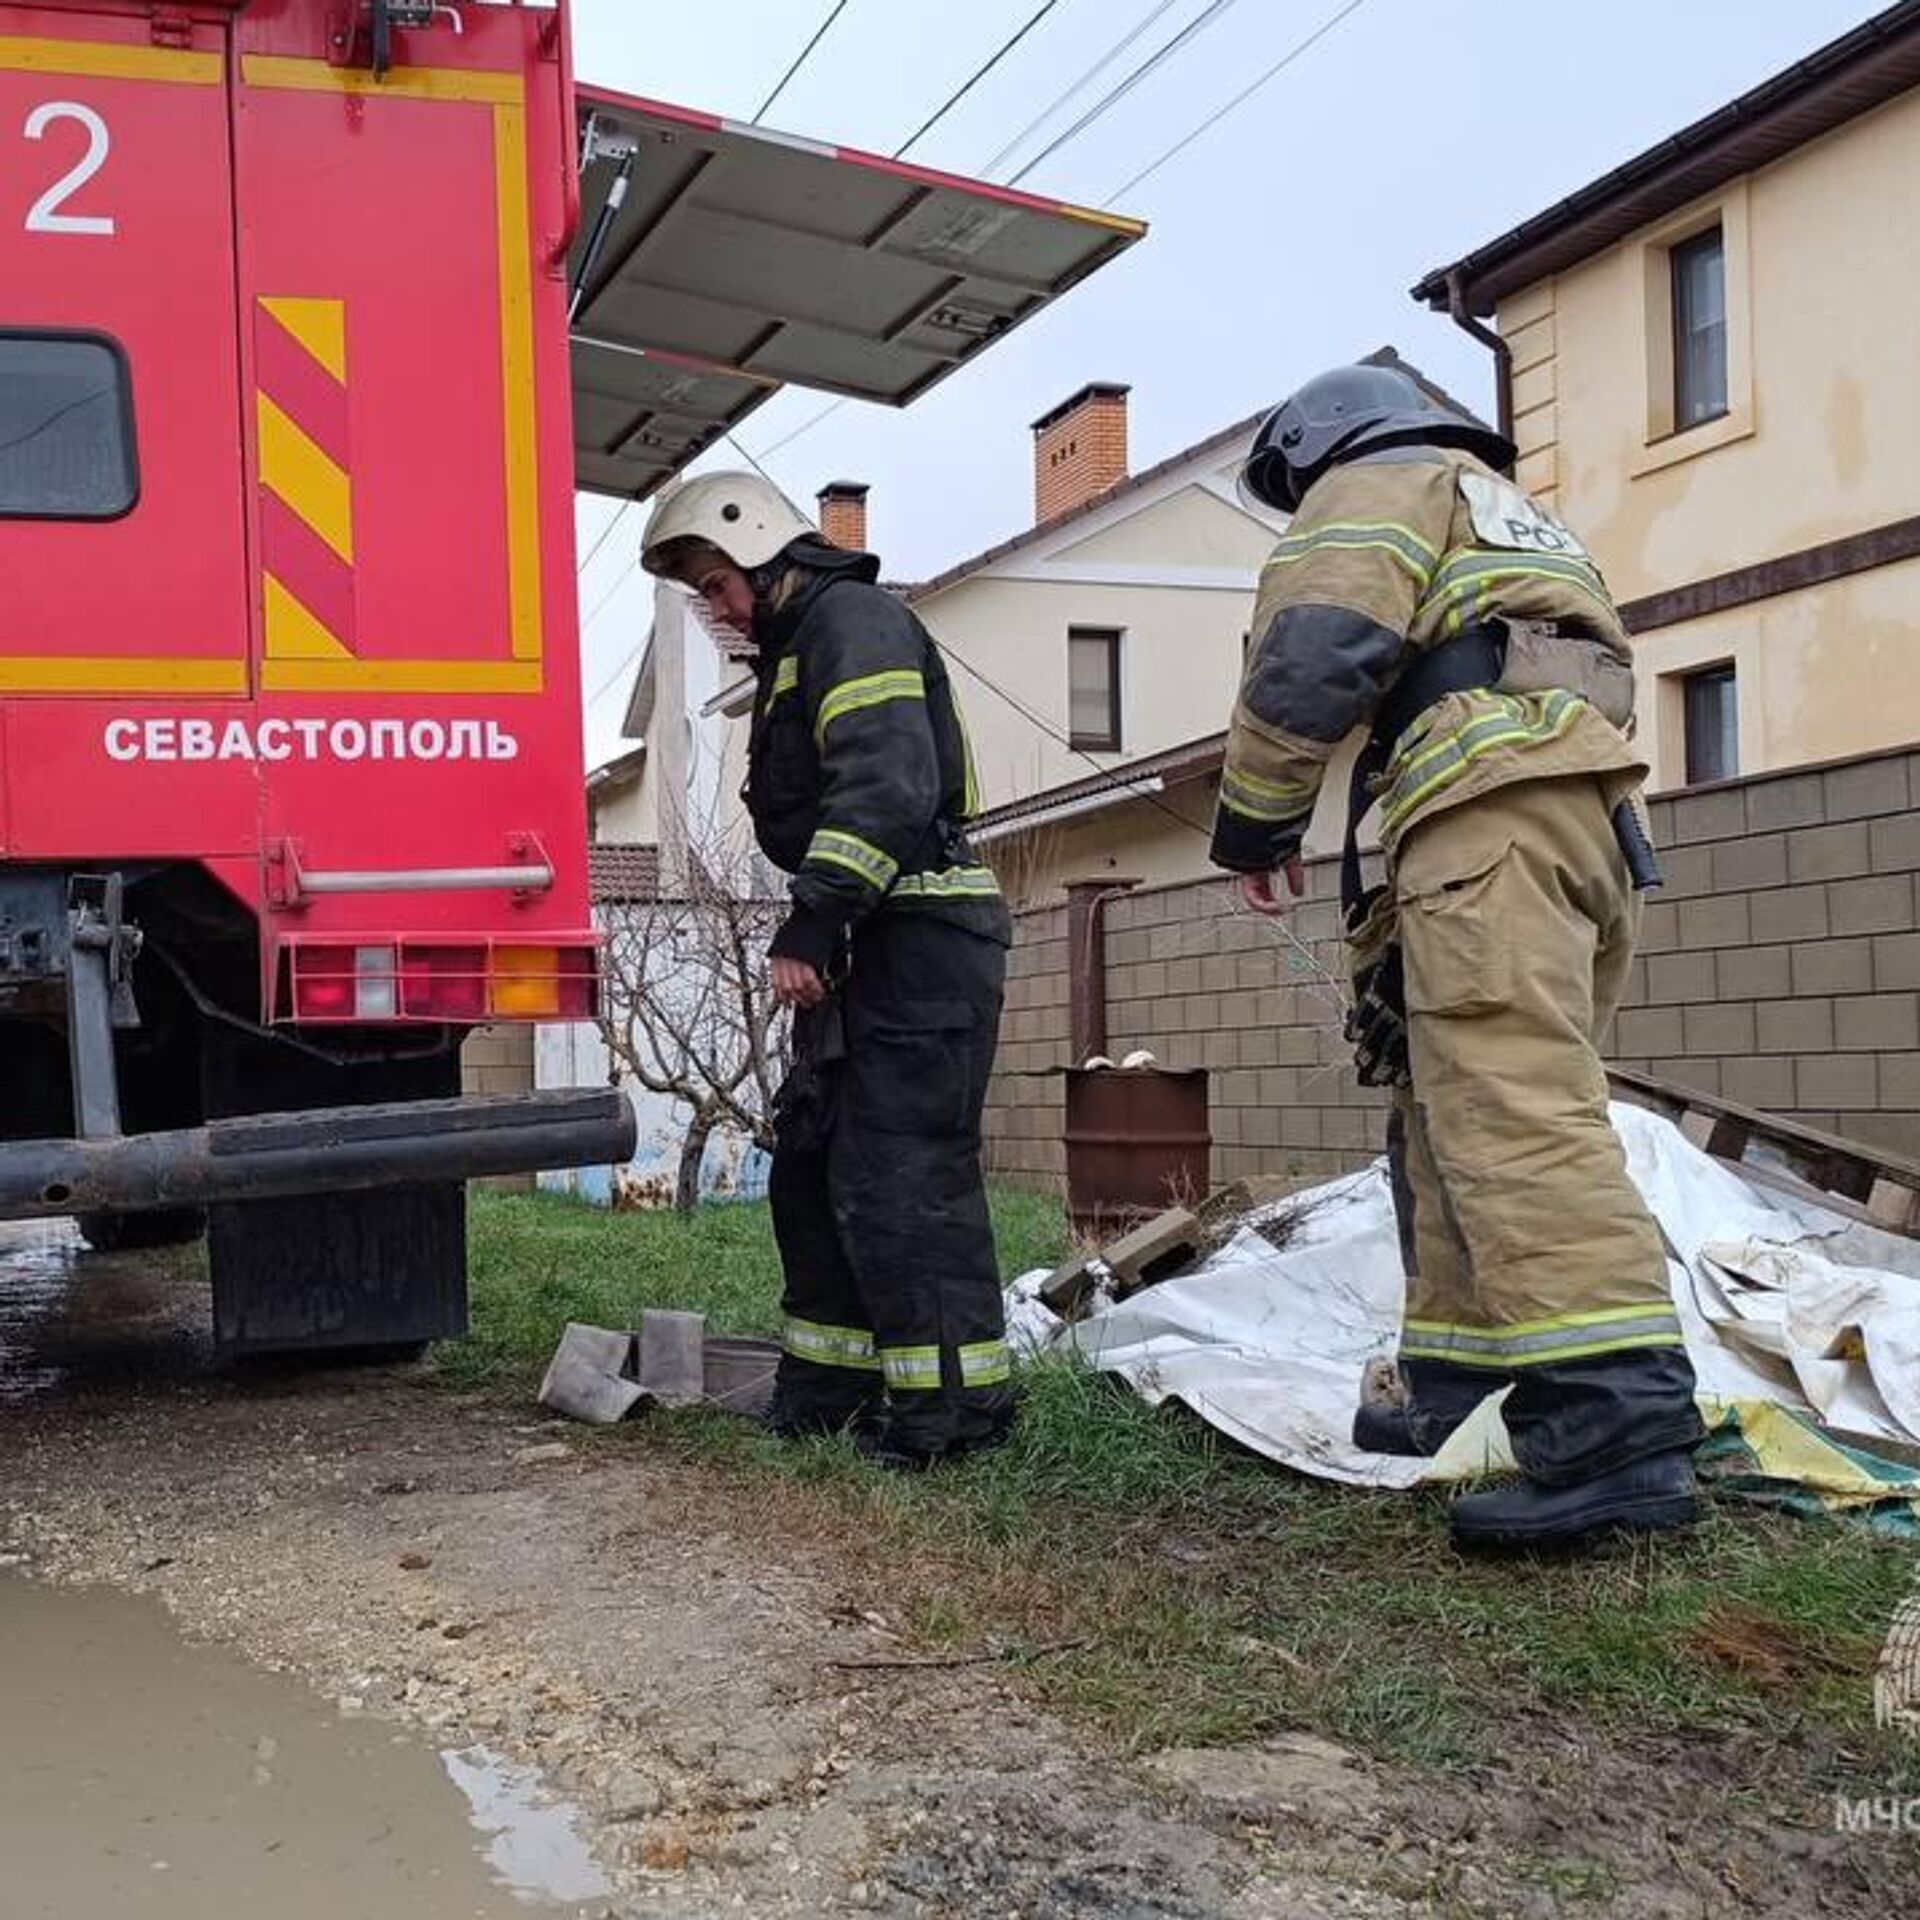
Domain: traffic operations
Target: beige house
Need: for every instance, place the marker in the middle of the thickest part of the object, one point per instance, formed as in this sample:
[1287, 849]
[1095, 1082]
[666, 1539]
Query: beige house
[1708, 362]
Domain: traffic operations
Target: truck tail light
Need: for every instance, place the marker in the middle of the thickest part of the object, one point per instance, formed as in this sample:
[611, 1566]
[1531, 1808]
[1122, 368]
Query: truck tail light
[445, 983]
[376, 983]
[463, 982]
[542, 983]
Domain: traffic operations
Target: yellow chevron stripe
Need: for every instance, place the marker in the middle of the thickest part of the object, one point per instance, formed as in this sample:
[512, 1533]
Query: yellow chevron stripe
[294, 631]
[319, 325]
[306, 479]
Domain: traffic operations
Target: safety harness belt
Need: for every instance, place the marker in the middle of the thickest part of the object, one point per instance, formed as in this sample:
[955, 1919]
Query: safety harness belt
[1472, 659]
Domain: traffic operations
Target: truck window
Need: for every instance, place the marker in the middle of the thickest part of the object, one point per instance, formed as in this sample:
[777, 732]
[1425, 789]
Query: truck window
[66, 428]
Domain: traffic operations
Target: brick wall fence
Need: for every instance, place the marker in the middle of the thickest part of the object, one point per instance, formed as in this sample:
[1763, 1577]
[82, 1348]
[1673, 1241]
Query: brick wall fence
[1779, 967]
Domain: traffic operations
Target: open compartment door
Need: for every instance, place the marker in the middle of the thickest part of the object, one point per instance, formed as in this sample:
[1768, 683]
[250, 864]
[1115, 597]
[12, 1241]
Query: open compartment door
[740, 261]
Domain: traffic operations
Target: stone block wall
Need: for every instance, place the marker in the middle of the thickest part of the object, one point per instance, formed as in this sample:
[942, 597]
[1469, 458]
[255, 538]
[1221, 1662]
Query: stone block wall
[1779, 967]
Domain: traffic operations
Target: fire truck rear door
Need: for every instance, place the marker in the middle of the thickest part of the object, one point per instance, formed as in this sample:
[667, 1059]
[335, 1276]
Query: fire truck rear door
[740, 260]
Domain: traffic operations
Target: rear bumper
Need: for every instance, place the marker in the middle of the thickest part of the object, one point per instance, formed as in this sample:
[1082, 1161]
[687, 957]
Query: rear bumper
[328, 1150]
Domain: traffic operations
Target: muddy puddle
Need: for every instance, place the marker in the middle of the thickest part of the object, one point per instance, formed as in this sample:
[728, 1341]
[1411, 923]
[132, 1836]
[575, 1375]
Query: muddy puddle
[146, 1777]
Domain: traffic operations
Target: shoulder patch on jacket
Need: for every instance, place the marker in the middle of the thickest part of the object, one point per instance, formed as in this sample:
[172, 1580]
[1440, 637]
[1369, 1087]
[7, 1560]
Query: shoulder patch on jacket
[1503, 516]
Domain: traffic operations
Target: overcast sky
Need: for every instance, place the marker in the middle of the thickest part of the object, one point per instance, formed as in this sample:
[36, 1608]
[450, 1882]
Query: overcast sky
[1284, 240]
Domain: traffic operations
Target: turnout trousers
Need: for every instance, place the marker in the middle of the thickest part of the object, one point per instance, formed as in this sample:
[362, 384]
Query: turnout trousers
[894, 1318]
[1534, 1260]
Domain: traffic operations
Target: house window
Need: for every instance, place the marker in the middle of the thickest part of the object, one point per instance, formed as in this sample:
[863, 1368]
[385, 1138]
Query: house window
[1713, 725]
[1699, 280]
[66, 428]
[1093, 688]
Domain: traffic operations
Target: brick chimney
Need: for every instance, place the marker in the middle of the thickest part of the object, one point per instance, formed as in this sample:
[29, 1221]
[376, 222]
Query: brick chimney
[843, 514]
[1079, 449]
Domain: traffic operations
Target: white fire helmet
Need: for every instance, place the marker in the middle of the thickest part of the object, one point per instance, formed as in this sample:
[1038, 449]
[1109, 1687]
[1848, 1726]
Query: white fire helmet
[738, 514]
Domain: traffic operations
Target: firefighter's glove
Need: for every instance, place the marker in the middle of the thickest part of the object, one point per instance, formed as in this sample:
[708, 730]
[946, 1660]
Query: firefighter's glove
[1376, 1024]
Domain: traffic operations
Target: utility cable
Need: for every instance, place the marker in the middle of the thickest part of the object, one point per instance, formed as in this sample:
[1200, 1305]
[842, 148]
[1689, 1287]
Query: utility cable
[980, 73]
[1087, 77]
[800, 60]
[606, 534]
[1115, 94]
[1246, 93]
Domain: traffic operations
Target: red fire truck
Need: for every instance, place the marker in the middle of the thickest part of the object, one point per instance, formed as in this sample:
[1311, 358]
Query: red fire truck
[313, 314]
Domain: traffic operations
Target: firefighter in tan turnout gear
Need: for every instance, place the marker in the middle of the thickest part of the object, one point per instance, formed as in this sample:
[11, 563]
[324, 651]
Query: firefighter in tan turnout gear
[893, 957]
[1419, 594]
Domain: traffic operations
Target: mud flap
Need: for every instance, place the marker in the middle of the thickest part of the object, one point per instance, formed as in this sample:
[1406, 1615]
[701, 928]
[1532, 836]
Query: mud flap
[333, 1271]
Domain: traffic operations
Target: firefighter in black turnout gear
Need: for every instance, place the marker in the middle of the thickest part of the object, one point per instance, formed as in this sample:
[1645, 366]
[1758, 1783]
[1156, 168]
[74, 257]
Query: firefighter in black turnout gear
[893, 958]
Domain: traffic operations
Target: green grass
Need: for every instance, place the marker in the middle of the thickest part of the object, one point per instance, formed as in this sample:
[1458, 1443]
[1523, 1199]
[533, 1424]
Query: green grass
[537, 1261]
[1208, 1596]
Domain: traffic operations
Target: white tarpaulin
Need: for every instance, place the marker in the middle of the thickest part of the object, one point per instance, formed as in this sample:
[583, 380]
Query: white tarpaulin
[1785, 1305]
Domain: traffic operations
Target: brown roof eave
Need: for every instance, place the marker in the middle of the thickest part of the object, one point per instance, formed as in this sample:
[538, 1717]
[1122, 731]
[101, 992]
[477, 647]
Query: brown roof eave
[1876, 62]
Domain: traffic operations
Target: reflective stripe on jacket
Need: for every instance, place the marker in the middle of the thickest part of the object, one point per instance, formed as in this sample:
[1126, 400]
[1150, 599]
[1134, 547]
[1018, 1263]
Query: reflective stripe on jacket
[1388, 556]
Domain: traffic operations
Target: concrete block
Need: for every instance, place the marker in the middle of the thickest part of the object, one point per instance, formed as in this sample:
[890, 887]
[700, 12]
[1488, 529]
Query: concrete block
[1675, 978]
[1717, 921]
[1828, 853]
[1721, 815]
[1068, 1290]
[1891, 1132]
[672, 1355]
[1660, 927]
[1260, 1126]
[1793, 800]
[1880, 905]
[1762, 1081]
[1153, 1250]
[1836, 1081]
[1650, 1030]
[1866, 789]
[1260, 1047]
[1833, 966]
[1726, 1027]
[1279, 1087]
[1220, 1051]
[1219, 973]
[1696, 1075]
[1894, 843]
[1900, 1080]
[1687, 871]
[1754, 973]
[1794, 1026]
[1240, 1088]
[1759, 860]
[590, 1377]
[1896, 961]
[1877, 1022]
[1660, 822]
[1300, 1127]
[1788, 913]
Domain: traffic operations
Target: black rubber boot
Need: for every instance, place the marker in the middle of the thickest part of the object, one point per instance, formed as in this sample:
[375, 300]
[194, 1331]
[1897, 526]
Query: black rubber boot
[1386, 1426]
[1439, 1399]
[1648, 1495]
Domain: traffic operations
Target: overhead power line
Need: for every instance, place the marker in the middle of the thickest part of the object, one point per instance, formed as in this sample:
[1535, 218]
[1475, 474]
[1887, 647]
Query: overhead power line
[980, 73]
[1246, 93]
[800, 59]
[1087, 77]
[606, 534]
[1115, 94]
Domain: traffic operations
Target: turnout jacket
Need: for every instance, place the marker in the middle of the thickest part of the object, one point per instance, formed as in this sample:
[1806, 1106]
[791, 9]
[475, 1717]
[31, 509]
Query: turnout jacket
[859, 772]
[1391, 555]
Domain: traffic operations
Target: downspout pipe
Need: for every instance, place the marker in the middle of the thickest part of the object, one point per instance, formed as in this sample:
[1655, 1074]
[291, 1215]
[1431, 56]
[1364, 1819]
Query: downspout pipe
[1458, 312]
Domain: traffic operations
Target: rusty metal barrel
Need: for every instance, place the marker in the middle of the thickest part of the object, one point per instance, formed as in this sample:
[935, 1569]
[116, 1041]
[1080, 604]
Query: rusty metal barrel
[1138, 1142]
